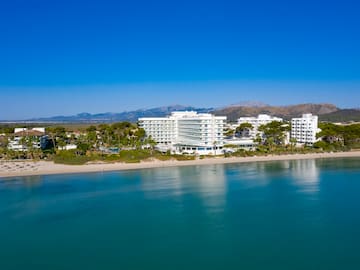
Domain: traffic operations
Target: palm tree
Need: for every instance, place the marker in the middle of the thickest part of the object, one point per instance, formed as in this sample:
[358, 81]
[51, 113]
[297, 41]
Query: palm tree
[149, 141]
[271, 143]
[215, 145]
[293, 142]
[56, 134]
[51, 132]
[29, 142]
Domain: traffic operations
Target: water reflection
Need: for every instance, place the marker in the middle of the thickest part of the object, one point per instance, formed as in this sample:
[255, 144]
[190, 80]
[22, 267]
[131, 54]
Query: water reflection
[305, 175]
[257, 174]
[205, 186]
[207, 182]
[161, 182]
[21, 182]
[211, 183]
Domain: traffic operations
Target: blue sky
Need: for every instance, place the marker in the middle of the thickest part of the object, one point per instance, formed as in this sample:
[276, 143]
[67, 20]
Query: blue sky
[65, 57]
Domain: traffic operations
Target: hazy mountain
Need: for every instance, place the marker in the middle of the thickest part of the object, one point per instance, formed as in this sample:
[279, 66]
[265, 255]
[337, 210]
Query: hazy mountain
[326, 112]
[249, 104]
[131, 116]
[344, 115]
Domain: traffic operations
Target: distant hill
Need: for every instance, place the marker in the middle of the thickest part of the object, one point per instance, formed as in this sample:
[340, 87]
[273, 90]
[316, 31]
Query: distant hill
[286, 112]
[326, 112]
[249, 104]
[131, 116]
[345, 115]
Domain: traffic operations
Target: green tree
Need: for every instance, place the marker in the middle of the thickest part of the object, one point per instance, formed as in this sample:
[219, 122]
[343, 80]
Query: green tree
[340, 136]
[229, 133]
[82, 148]
[275, 131]
[56, 134]
[293, 142]
[151, 143]
[244, 128]
[29, 143]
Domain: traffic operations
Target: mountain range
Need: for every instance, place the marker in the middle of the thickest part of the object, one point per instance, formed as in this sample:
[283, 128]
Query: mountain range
[326, 112]
[131, 116]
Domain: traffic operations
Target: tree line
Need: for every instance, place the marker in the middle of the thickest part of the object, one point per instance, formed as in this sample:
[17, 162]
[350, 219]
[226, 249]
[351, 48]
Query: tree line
[91, 142]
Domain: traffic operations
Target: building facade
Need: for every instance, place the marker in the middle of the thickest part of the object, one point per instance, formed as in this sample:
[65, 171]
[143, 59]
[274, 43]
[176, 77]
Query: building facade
[187, 132]
[24, 138]
[304, 129]
[256, 122]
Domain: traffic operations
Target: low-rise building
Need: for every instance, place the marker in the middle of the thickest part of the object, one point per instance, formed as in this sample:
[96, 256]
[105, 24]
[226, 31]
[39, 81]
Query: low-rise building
[256, 122]
[240, 143]
[26, 131]
[68, 147]
[24, 138]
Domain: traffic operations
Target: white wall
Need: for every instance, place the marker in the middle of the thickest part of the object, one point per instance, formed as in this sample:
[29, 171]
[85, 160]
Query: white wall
[197, 133]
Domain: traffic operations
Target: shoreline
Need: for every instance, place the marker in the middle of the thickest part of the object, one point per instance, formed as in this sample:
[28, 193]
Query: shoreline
[10, 169]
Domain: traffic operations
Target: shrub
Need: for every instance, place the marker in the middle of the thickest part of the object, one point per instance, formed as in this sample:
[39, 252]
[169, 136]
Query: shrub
[183, 157]
[70, 157]
[162, 157]
[111, 158]
[131, 156]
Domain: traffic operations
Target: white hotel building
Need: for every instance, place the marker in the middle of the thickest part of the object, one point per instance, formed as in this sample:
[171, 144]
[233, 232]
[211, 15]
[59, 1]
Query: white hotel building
[304, 129]
[256, 122]
[187, 132]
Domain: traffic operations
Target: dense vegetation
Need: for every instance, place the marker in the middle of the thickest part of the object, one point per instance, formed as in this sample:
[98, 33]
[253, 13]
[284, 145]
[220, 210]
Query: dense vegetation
[126, 142]
[118, 142]
[332, 138]
[345, 115]
[338, 138]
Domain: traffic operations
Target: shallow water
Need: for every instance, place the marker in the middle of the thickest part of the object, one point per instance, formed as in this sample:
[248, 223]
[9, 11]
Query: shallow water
[302, 214]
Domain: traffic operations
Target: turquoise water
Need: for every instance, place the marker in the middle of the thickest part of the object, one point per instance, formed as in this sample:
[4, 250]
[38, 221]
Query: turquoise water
[301, 214]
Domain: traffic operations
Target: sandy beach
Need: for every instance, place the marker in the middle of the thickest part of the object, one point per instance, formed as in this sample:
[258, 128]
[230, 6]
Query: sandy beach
[10, 169]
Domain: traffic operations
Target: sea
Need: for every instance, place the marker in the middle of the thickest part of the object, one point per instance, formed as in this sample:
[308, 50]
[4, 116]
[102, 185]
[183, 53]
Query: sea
[299, 214]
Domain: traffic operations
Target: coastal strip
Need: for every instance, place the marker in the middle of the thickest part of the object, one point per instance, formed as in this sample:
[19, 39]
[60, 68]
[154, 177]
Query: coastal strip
[9, 169]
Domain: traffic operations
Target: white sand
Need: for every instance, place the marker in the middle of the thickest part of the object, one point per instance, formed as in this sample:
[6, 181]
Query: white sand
[26, 168]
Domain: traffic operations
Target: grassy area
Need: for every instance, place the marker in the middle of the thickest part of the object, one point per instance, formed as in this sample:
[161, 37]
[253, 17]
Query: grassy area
[264, 151]
[162, 157]
[128, 156]
[71, 158]
[76, 157]
[206, 156]
[183, 157]
[134, 156]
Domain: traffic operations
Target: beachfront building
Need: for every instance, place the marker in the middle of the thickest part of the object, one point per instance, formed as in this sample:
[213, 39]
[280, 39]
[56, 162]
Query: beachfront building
[304, 129]
[234, 144]
[161, 129]
[24, 138]
[187, 132]
[256, 122]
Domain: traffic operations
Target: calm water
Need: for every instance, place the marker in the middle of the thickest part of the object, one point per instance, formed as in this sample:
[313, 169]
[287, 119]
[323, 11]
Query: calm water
[279, 215]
